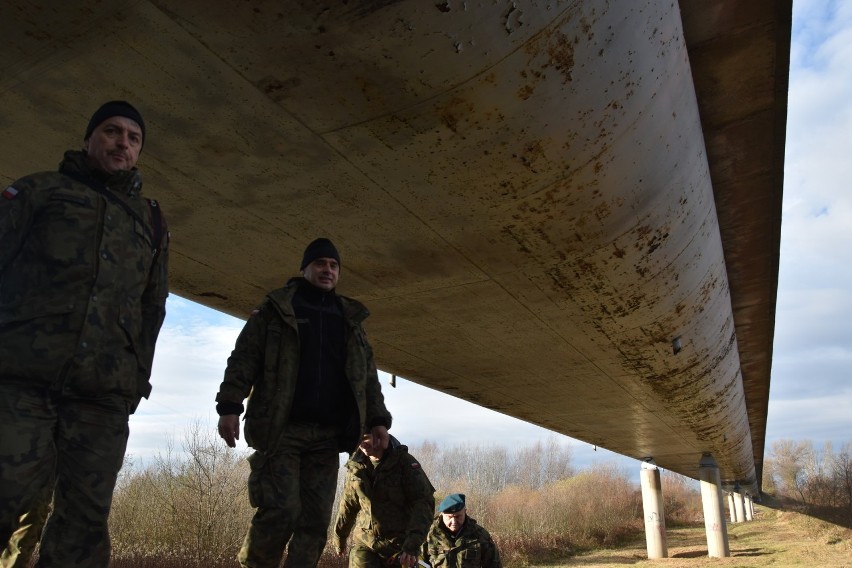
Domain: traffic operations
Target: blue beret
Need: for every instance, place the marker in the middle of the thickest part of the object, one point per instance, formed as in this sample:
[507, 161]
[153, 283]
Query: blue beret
[452, 503]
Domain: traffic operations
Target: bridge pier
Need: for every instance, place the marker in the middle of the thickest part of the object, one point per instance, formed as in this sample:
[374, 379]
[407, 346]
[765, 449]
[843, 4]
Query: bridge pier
[749, 511]
[739, 504]
[714, 508]
[652, 506]
[731, 508]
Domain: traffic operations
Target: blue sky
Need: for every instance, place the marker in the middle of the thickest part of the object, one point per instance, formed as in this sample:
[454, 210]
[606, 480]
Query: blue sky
[811, 394]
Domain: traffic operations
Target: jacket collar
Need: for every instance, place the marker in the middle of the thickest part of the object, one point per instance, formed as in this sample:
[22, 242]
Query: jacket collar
[283, 298]
[74, 163]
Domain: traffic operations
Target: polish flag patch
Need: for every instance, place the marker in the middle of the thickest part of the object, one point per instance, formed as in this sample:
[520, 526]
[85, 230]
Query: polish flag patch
[10, 192]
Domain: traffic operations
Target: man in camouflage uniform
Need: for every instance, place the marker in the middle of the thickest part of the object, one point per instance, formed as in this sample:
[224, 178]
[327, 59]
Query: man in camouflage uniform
[456, 541]
[390, 502]
[83, 286]
[304, 363]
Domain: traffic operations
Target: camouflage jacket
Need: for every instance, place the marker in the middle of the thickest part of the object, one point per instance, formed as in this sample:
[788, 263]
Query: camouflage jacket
[264, 367]
[80, 281]
[472, 547]
[390, 506]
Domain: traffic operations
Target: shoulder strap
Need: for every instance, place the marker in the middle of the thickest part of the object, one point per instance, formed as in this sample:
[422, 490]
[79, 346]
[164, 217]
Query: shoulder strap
[157, 225]
[102, 189]
[270, 364]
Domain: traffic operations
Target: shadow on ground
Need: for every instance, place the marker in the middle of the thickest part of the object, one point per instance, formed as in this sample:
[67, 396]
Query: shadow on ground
[839, 516]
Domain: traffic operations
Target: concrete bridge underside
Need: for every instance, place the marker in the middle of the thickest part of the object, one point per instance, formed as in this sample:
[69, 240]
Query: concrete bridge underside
[566, 211]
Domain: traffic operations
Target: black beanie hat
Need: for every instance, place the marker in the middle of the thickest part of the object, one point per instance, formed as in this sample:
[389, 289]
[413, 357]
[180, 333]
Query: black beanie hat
[115, 108]
[319, 248]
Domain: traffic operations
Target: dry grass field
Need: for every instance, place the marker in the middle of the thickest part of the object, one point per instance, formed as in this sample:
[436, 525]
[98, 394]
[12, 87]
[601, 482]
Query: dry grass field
[775, 538]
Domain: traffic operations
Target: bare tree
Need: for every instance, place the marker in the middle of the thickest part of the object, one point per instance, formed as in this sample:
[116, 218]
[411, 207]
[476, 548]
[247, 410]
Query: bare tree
[842, 475]
[191, 506]
[792, 464]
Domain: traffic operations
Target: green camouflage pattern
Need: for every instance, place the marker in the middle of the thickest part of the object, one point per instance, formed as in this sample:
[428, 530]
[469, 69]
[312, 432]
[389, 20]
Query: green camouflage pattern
[76, 443]
[390, 506]
[294, 468]
[79, 281]
[362, 556]
[294, 495]
[471, 548]
[264, 367]
[24, 540]
[83, 288]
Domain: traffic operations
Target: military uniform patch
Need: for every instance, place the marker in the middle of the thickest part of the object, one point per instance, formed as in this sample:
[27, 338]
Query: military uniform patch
[10, 192]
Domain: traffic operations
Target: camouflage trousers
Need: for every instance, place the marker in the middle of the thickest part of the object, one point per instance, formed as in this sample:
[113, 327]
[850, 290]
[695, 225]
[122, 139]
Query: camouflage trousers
[293, 490]
[362, 556]
[72, 445]
[24, 540]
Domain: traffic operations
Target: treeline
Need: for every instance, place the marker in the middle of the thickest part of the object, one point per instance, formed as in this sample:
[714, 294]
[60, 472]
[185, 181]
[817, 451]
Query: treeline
[817, 481]
[189, 508]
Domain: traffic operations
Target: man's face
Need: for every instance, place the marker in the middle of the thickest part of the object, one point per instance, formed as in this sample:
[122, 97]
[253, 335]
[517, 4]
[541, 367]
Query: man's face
[323, 273]
[366, 446]
[454, 521]
[114, 145]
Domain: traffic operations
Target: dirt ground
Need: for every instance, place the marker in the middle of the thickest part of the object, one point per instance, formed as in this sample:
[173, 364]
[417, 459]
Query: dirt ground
[775, 538]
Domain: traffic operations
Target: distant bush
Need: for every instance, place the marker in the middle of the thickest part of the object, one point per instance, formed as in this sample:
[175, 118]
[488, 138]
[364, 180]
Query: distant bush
[816, 481]
[598, 506]
[681, 499]
[188, 510]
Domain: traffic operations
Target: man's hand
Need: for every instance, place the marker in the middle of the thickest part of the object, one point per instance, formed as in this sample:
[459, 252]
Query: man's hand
[406, 559]
[380, 437]
[229, 429]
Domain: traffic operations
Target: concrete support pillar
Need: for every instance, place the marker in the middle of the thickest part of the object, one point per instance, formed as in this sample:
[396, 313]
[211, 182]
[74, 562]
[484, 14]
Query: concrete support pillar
[731, 508]
[747, 508]
[751, 506]
[714, 508]
[739, 504]
[652, 505]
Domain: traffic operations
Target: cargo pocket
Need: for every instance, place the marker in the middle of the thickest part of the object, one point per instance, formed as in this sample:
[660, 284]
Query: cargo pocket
[470, 557]
[259, 482]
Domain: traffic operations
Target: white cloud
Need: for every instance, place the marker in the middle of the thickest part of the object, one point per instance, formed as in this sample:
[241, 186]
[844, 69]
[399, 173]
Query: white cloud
[817, 205]
[191, 354]
[809, 397]
[819, 419]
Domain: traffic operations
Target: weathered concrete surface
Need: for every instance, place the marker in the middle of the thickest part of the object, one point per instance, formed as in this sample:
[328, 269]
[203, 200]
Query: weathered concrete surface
[522, 192]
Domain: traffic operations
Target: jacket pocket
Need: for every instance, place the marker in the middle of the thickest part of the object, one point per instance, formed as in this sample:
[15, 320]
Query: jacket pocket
[27, 311]
[130, 322]
[75, 198]
[35, 343]
[471, 558]
[257, 420]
